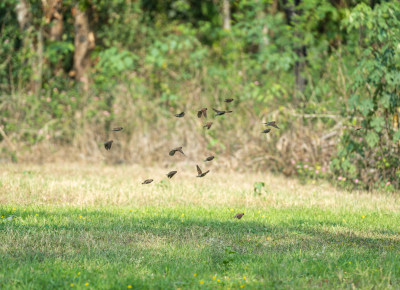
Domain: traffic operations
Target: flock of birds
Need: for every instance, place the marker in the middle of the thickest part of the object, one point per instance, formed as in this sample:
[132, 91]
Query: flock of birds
[201, 113]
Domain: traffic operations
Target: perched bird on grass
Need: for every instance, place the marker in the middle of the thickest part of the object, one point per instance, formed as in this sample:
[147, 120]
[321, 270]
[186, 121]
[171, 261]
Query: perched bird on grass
[239, 216]
[208, 125]
[272, 124]
[228, 100]
[180, 115]
[201, 173]
[357, 128]
[177, 149]
[117, 129]
[202, 112]
[108, 144]
[147, 181]
[209, 158]
[220, 113]
[171, 174]
[266, 131]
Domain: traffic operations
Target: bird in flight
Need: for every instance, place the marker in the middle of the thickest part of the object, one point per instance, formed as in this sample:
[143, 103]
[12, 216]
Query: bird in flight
[171, 173]
[177, 149]
[239, 216]
[228, 100]
[117, 129]
[201, 173]
[266, 131]
[208, 125]
[108, 144]
[202, 111]
[220, 113]
[209, 158]
[180, 115]
[147, 181]
[272, 124]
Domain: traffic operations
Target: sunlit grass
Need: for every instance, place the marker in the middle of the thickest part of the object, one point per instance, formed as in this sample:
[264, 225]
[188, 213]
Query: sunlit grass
[98, 227]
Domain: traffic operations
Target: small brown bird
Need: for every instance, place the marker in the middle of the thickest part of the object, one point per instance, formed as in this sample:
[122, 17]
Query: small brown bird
[209, 158]
[228, 100]
[202, 111]
[177, 149]
[272, 124]
[117, 129]
[357, 128]
[108, 144]
[220, 113]
[171, 174]
[239, 216]
[208, 125]
[147, 181]
[266, 131]
[180, 115]
[201, 173]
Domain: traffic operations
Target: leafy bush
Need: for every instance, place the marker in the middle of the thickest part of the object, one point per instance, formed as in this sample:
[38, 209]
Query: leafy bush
[372, 154]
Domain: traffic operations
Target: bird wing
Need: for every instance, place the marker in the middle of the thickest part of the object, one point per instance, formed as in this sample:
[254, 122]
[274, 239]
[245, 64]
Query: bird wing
[198, 170]
[172, 152]
[199, 114]
[216, 111]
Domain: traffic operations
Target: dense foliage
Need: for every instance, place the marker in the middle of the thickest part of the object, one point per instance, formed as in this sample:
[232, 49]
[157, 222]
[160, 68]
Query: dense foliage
[316, 66]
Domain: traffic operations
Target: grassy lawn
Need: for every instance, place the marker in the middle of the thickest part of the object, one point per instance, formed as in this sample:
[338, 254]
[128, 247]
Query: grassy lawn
[79, 226]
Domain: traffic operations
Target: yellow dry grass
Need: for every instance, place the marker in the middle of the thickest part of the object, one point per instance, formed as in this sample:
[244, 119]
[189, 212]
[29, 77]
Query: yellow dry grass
[102, 185]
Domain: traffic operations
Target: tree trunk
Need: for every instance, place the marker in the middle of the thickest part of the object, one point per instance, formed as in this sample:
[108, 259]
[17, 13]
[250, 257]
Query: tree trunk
[84, 42]
[24, 16]
[53, 14]
[291, 10]
[226, 14]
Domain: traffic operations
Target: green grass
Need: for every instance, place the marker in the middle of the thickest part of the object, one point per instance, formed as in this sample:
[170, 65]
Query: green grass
[51, 243]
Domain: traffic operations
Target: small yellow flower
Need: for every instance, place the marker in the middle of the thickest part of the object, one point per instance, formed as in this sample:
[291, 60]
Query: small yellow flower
[349, 262]
[244, 277]
[363, 217]
[194, 275]
[231, 209]
[79, 273]
[218, 280]
[242, 286]
[80, 216]
[214, 278]
[129, 286]
[72, 285]
[2, 216]
[263, 216]
[130, 210]
[183, 215]
[36, 214]
[13, 208]
[86, 284]
[201, 282]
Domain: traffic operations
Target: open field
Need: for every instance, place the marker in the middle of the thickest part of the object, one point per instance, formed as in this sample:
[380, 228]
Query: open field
[87, 226]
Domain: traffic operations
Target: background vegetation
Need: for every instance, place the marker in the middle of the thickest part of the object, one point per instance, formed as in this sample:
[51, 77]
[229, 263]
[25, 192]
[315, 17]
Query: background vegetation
[70, 70]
